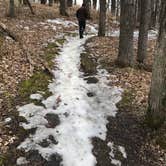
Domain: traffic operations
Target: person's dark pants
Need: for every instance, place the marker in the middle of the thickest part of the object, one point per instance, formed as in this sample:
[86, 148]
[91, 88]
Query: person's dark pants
[82, 25]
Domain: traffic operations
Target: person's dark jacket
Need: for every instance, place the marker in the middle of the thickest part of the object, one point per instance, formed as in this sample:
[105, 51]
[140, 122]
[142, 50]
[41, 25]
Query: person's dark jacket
[82, 14]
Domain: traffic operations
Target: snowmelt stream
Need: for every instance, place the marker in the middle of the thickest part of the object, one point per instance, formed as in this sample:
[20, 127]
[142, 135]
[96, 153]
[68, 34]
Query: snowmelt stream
[81, 117]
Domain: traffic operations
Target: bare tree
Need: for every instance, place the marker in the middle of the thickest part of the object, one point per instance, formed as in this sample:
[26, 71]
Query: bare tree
[156, 114]
[63, 8]
[102, 18]
[143, 30]
[11, 9]
[69, 3]
[94, 4]
[127, 20]
[113, 7]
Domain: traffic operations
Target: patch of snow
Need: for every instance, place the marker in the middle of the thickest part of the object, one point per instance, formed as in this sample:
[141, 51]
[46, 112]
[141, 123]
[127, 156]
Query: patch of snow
[123, 151]
[63, 22]
[112, 155]
[36, 96]
[87, 116]
[152, 35]
[8, 120]
[26, 28]
[21, 161]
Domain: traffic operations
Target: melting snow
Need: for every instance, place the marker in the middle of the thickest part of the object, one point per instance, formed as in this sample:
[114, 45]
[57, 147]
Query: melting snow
[81, 117]
[152, 35]
[62, 22]
[21, 161]
[112, 155]
[36, 96]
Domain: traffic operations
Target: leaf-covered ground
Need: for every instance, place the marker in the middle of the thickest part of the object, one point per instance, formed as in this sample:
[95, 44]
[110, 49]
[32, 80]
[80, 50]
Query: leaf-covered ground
[26, 60]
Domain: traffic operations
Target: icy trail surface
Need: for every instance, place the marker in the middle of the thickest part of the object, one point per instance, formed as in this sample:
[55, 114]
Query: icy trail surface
[81, 117]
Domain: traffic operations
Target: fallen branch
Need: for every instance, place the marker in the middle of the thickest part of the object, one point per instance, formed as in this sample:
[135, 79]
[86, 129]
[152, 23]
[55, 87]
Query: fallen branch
[5, 32]
[30, 6]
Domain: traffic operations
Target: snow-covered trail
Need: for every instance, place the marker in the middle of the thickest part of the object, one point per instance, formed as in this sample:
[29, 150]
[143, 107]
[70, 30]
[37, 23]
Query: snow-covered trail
[81, 117]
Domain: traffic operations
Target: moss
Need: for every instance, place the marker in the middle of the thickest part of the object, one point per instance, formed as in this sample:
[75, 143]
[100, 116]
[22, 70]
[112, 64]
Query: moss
[127, 99]
[161, 140]
[2, 160]
[38, 82]
[61, 41]
[154, 121]
[88, 64]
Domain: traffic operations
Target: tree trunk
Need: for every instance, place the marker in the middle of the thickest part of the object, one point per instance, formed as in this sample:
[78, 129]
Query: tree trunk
[113, 7]
[62, 8]
[50, 2]
[156, 114]
[43, 2]
[94, 4]
[127, 20]
[29, 4]
[69, 3]
[143, 30]
[138, 16]
[117, 10]
[102, 18]
[11, 9]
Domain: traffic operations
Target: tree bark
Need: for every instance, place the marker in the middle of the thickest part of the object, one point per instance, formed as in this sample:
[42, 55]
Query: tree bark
[43, 2]
[102, 18]
[143, 30]
[50, 2]
[11, 9]
[156, 114]
[127, 20]
[113, 7]
[69, 3]
[29, 4]
[63, 8]
[94, 4]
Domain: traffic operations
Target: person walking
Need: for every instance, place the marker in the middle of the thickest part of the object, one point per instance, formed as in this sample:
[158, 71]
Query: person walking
[82, 16]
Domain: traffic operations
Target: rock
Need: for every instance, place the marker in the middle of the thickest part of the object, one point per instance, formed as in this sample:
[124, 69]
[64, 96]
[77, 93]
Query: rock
[52, 139]
[92, 80]
[53, 120]
[90, 94]
[54, 160]
[45, 143]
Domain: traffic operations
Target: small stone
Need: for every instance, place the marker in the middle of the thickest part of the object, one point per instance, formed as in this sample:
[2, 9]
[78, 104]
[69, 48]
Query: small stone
[90, 94]
[53, 120]
[92, 80]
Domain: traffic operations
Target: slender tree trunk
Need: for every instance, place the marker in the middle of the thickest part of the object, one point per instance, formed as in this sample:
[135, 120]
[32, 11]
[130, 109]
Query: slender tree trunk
[143, 30]
[138, 16]
[113, 7]
[102, 18]
[43, 2]
[63, 8]
[94, 4]
[11, 9]
[50, 2]
[69, 3]
[156, 114]
[153, 19]
[30, 7]
[127, 20]
[117, 10]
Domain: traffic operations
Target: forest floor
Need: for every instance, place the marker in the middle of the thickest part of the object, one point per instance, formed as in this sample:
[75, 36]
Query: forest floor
[28, 67]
